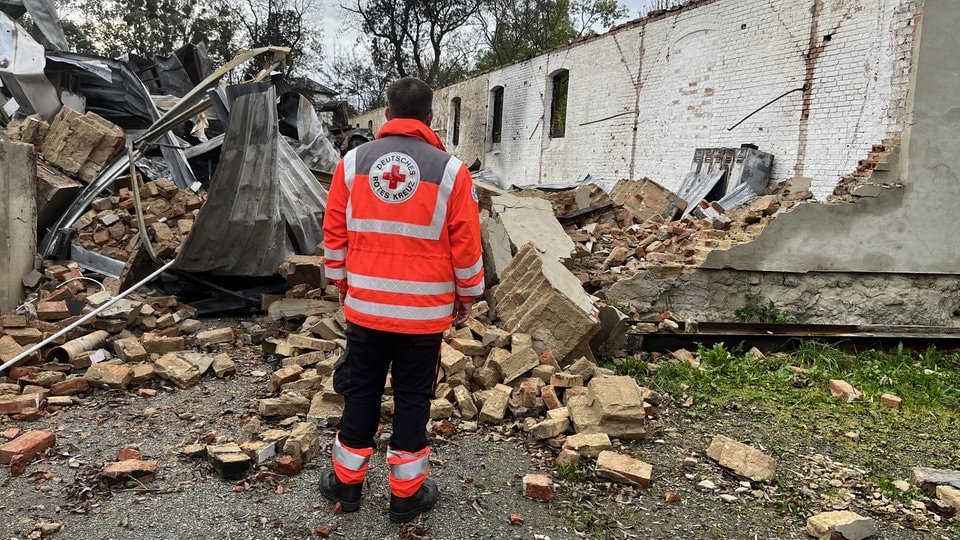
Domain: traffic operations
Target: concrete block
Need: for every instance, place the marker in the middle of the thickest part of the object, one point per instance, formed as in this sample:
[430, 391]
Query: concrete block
[842, 524]
[625, 469]
[451, 359]
[130, 350]
[285, 405]
[548, 429]
[109, 376]
[304, 269]
[440, 409]
[177, 370]
[18, 219]
[303, 442]
[540, 297]
[495, 406]
[532, 220]
[517, 364]
[742, 459]
[588, 444]
[212, 337]
[142, 471]
[468, 407]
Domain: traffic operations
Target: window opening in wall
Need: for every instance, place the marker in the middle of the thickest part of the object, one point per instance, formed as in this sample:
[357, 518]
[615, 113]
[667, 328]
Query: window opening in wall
[455, 115]
[496, 96]
[558, 104]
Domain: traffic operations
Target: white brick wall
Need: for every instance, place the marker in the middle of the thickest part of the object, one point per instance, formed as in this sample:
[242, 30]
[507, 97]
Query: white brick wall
[644, 96]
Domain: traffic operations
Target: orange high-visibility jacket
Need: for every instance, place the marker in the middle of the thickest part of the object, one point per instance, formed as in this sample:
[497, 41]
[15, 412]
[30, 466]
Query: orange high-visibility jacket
[402, 227]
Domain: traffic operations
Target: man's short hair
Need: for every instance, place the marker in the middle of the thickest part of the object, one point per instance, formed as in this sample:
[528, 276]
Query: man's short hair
[410, 97]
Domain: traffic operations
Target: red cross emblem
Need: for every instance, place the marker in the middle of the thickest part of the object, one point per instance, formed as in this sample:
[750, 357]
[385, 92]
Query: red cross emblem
[394, 176]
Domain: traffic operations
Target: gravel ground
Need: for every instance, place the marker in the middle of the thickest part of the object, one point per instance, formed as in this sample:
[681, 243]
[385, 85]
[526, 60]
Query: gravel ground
[478, 473]
[479, 477]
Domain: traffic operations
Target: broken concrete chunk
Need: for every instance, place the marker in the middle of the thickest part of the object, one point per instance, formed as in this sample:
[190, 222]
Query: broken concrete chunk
[109, 376]
[532, 220]
[624, 469]
[303, 442]
[285, 405]
[949, 495]
[516, 365]
[589, 444]
[130, 350]
[842, 524]
[304, 269]
[177, 370]
[742, 459]
[212, 337]
[143, 472]
[228, 459]
[540, 297]
[929, 479]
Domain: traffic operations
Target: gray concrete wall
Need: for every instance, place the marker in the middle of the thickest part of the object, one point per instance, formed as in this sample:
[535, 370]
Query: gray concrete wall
[18, 219]
[909, 230]
[813, 298]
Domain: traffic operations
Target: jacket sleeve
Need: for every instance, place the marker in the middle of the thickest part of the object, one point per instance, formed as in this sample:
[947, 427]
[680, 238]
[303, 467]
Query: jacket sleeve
[463, 228]
[335, 228]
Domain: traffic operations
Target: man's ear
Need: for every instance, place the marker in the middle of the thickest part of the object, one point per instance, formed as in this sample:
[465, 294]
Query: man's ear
[430, 118]
[386, 113]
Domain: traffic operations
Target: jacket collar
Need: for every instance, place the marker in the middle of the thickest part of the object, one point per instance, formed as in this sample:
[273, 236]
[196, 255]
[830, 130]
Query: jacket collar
[410, 127]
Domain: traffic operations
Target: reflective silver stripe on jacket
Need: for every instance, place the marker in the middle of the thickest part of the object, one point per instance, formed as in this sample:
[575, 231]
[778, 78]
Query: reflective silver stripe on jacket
[394, 311]
[380, 284]
[476, 290]
[411, 470]
[347, 458]
[467, 273]
[335, 273]
[334, 254]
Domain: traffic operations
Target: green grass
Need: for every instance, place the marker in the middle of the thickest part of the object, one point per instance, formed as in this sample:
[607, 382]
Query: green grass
[928, 382]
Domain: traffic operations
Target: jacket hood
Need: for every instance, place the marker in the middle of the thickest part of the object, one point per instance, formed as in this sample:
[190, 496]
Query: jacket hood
[410, 127]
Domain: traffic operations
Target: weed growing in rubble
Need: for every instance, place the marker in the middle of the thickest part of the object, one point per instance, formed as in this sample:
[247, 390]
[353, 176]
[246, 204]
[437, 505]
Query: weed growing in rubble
[572, 473]
[760, 309]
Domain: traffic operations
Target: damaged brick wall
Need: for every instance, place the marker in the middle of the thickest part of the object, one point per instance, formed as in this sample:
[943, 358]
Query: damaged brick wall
[645, 95]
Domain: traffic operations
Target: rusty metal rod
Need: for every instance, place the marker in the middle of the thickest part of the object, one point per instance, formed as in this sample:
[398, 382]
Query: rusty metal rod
[113, 300]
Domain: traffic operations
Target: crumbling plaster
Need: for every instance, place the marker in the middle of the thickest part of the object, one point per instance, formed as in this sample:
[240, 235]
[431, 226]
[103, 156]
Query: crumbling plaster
[813, 298]
[912, 229]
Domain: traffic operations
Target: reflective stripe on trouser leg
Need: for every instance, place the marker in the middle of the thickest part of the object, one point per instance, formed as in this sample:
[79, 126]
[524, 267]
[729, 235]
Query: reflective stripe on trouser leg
[408, 470]
[350, 464]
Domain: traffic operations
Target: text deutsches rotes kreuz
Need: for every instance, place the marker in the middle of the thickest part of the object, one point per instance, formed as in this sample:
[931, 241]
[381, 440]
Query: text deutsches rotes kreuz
[395, 177]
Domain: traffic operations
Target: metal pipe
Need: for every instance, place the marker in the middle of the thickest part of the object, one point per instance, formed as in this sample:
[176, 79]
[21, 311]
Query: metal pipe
[87, 317]
[68, 351]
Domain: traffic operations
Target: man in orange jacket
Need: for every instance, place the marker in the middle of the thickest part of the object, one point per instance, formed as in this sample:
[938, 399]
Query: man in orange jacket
[401, 238]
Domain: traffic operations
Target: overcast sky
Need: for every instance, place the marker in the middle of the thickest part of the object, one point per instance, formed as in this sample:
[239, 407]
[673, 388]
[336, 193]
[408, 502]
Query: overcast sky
[338, 37]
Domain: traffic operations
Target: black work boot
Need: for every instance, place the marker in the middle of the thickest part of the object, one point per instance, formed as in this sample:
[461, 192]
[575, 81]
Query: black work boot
[404, 509]
[348, 495]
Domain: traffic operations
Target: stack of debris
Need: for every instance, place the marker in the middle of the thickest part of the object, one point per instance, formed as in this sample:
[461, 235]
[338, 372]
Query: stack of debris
[110, 227]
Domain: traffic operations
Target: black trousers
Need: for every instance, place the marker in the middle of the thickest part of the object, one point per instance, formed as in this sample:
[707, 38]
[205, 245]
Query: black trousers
[361, 373]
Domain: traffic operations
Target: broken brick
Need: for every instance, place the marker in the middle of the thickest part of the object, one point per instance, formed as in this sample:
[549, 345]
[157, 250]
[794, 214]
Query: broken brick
[28, 445]
[538, 487]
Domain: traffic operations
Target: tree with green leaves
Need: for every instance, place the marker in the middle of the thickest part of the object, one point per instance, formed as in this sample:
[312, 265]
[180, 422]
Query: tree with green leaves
[416, 37]
[147, 28]
[284, 23]
[518, 29]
